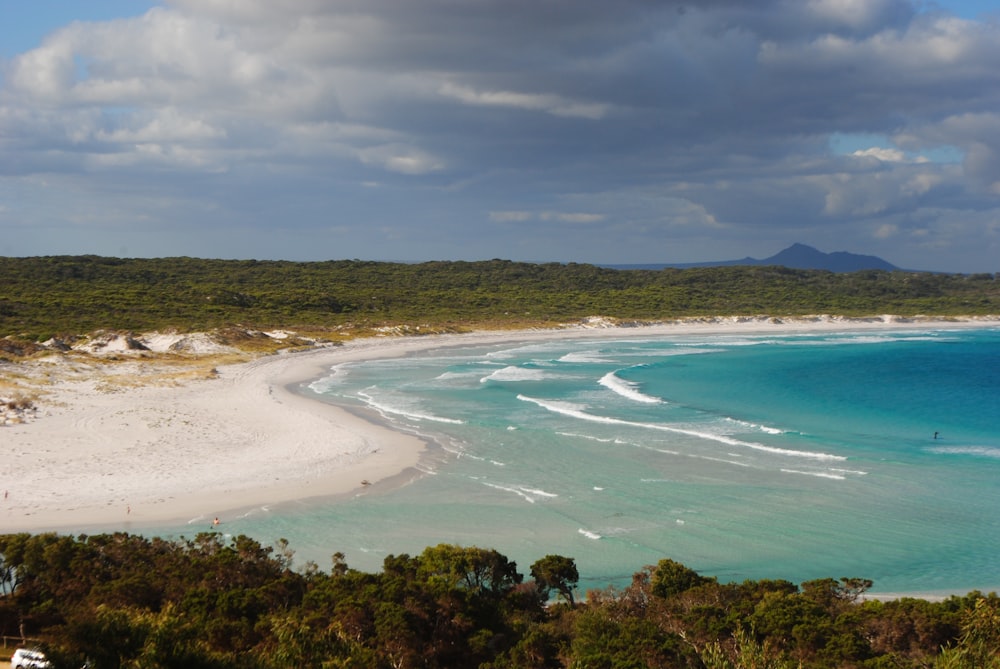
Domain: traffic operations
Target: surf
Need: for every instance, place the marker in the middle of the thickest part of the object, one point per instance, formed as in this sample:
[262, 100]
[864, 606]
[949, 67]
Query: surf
[798, 456]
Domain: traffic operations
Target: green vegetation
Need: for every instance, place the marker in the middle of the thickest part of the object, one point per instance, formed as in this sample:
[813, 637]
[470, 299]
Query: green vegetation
[121, 600]
[126, 601]
[45, 296]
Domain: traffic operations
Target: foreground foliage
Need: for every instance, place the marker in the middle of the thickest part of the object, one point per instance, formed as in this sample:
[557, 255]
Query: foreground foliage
[126, 601]
[59, 295]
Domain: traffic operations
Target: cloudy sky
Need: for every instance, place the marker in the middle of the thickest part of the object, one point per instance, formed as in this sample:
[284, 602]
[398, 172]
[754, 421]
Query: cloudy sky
[632, 131]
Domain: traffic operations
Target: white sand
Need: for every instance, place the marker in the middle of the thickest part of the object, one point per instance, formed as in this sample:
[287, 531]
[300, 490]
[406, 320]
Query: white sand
[100, 454]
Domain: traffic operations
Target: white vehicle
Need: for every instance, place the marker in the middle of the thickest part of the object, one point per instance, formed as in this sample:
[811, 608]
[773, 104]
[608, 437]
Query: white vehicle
[28, 658]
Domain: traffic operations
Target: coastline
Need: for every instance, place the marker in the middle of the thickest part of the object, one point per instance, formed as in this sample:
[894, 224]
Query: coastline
[147, 454]
[152, 455]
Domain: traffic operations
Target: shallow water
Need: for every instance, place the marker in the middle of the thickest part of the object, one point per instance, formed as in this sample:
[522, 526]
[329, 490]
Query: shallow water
[795, 457]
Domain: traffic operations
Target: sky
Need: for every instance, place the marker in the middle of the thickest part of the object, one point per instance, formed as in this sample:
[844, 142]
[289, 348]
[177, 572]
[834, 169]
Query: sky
[634, 131]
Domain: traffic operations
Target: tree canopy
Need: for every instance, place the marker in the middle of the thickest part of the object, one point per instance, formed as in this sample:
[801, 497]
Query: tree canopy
[121, 600]
[556, 572]
[59, 295]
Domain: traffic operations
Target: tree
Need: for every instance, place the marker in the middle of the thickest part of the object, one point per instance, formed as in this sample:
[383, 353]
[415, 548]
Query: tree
[746, 653]
[478, 570]
[11, 555]
[979, 645]
[830, 593]
[555, 572]
[672, 578]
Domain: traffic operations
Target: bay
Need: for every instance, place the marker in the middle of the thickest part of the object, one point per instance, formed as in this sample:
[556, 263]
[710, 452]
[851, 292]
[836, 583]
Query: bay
[874, 455]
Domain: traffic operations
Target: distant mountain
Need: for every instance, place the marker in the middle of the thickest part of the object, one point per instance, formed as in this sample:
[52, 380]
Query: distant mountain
[800, 256]
[796, 256]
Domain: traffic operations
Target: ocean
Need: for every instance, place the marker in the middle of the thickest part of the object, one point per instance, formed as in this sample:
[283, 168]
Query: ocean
[860, 454]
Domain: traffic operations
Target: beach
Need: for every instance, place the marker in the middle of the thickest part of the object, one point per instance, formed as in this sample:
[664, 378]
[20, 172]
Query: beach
[137, 443]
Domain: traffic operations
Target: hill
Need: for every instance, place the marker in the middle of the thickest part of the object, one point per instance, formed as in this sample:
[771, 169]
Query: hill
[796, 256]
[43, 297]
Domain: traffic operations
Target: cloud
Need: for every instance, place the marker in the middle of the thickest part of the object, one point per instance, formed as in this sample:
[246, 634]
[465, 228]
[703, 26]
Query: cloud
[400, 158]
[885, 155]
[551, 104]
[511, 216]
[656, 130]
[167, 125]
[576, 218]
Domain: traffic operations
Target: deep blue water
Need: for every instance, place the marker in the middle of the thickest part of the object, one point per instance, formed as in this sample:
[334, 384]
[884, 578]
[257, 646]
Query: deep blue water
[792, 457]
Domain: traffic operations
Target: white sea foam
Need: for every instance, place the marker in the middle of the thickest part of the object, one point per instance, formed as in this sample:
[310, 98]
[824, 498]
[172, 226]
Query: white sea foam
[862, 339]
[449, 447]
[882, 339]
[322, 386]
[383, 408]
[337, 375]
[522, 351]
[724, 461]
[540, 493]
[755, 426]
[530, 495]
[458, 376]
[626, 389]
[731, 342]
[688, 349]
[589, 437]
[512, 373]
[822, 475]
[589, 534]
[584, 357]
[577, 411]
[253, 512]
[847, 340]
[983, 451]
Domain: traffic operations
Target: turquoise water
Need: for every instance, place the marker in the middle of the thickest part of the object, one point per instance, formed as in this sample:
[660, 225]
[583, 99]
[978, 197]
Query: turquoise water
[792, 457]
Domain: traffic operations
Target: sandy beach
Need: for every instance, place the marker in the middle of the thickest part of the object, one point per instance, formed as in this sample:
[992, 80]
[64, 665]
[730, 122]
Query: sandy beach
[136, 442]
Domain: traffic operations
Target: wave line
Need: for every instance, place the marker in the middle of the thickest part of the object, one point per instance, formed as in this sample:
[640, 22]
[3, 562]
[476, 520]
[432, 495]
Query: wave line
[626, 389]
[573, 411]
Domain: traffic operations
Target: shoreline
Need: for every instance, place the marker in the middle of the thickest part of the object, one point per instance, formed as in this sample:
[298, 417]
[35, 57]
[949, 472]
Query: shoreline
[251, 436]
